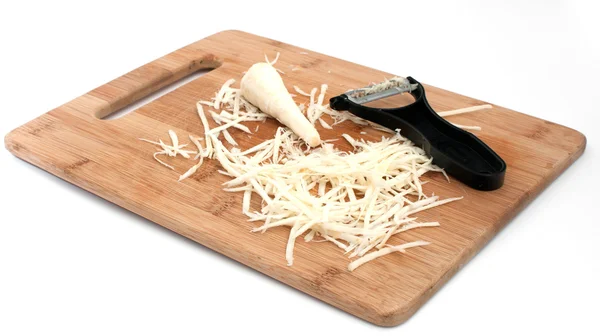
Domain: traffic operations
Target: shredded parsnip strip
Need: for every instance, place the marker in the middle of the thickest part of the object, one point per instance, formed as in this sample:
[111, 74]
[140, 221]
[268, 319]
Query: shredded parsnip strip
[159, 161]
[208, 142]
[222, 92]
[274, 61]
[465, 110]
[300, 91]
[474, 128]
[192, 170]
[229, 138]
[386, 250]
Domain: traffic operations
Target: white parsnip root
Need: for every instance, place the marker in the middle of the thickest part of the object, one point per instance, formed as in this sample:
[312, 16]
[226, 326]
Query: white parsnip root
[263, 87]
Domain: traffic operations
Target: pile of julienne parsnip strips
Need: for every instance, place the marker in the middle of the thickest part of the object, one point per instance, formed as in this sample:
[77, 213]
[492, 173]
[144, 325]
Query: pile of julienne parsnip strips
[356, 200]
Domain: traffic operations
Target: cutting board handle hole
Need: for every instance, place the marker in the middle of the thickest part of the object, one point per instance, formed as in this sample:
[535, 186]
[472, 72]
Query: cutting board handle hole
[155, 95]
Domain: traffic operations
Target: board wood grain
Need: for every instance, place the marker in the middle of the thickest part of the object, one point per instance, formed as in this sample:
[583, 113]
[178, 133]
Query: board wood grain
[104, 157]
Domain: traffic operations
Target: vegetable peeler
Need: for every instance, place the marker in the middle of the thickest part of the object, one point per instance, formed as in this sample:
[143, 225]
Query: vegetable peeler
[460, 153]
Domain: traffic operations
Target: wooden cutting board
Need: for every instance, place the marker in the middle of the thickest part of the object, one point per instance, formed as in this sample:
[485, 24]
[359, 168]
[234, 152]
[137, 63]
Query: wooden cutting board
[105, 158]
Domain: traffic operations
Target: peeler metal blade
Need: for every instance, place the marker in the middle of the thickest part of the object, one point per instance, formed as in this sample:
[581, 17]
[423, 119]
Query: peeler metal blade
[388, 88]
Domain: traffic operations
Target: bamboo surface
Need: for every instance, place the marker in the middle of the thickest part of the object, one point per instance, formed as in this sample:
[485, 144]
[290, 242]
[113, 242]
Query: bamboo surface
[104, 157]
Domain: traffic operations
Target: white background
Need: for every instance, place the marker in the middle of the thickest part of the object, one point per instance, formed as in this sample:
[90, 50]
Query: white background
[73, 264]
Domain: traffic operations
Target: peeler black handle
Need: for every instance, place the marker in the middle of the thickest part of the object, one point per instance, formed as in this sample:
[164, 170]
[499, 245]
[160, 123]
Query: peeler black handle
[460, 153]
